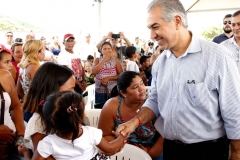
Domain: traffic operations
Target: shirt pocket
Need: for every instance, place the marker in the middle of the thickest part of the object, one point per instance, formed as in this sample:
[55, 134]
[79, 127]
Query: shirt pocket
[198, 94]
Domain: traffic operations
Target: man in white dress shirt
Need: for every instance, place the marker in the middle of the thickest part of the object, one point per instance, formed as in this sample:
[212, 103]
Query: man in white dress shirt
[233, 44]
[195, 91]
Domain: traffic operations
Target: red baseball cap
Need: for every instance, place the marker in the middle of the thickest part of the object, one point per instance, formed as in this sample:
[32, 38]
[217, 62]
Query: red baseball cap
[66, 36]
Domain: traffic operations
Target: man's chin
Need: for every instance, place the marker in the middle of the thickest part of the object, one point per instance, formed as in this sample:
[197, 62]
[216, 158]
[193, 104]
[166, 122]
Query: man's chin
[227, 31]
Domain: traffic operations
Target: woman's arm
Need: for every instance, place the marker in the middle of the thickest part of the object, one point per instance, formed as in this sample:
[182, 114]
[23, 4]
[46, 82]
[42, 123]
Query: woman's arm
[113, 78]
[97, 65]
[31, 70]
[14, 72]
[16, 112]
[103, 40]
[19, 88]
[156, 149]
[108, 116]
[36, 138]
[37, 156]
[122, 36]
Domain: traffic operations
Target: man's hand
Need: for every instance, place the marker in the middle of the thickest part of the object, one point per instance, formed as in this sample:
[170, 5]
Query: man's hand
[127, 128]
[6, 134]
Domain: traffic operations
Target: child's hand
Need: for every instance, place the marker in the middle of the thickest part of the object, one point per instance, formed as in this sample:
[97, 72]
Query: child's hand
[119, 135]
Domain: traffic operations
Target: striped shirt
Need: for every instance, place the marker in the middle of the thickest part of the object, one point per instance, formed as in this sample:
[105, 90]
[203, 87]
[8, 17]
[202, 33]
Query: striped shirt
[232, 45]
[108, 69]
[196, 96]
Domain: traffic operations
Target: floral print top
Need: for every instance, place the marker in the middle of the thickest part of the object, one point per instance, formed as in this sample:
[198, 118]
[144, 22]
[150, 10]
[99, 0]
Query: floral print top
[145, 135]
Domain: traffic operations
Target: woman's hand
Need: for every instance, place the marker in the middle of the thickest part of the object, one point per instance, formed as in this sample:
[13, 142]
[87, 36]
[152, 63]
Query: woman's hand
[107, 57]
[105, 81]
[122, 36]
[109, 35]
[144, 148]
[6, 134]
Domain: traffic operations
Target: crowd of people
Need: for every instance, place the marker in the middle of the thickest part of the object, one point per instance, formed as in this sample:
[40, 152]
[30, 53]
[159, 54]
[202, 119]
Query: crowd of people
[192, 111]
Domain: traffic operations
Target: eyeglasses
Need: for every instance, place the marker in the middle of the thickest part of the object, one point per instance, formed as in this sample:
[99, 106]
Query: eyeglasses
[225, 22]
[9, 35]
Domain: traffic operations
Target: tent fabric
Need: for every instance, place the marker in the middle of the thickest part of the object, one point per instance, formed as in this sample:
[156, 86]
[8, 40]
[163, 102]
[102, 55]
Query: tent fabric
[210, 5]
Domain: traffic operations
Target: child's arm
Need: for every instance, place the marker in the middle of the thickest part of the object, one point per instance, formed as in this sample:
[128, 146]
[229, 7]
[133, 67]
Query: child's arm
[113, 146]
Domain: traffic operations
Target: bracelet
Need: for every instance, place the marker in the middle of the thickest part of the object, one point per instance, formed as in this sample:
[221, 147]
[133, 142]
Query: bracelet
[139, 121]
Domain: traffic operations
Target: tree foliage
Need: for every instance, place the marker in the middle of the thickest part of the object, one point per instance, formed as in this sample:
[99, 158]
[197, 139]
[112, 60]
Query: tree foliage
[212, 32]
[10, 24]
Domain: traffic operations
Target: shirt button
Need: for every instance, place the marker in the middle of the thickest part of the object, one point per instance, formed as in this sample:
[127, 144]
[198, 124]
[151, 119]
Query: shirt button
[173, 116]
[175, 79]
[175, 97]
[175, 134]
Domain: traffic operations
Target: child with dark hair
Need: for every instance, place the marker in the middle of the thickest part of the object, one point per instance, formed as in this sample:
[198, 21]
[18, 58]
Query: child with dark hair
[90, 58]
[131, 53]
[68, 137]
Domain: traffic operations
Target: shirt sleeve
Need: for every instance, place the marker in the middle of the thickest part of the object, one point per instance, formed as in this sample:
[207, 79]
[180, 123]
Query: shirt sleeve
[151, 101]
[44, 147]
[228, 87]
[96, 135]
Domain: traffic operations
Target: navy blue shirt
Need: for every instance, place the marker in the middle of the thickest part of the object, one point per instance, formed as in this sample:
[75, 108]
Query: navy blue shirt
[220, 38]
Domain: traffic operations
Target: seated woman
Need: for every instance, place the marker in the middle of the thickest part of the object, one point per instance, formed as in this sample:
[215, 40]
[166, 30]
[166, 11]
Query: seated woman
[17, 53]
[49, 78]
[124, 107]
[33, 53]
[12, 123]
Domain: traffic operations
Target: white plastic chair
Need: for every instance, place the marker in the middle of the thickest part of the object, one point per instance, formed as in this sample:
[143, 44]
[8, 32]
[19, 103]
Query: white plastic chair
[131, 152]
[92, 117]
[90, 99]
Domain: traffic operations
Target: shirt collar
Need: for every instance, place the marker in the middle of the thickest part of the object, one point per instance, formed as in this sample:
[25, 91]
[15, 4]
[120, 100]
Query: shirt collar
[233, 41]
[193, 47]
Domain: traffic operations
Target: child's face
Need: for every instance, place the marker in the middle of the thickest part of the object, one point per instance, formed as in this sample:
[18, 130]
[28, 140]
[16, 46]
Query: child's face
[87, 66]
[6, 62]
[147, 62]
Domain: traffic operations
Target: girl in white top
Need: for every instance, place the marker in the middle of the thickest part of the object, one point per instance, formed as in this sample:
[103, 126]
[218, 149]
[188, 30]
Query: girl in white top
[64, 117]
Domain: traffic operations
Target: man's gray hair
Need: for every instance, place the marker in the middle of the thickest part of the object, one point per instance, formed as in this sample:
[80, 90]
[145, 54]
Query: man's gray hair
[170, 8]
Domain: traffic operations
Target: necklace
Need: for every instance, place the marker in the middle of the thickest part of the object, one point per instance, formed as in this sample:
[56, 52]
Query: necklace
[129, 108]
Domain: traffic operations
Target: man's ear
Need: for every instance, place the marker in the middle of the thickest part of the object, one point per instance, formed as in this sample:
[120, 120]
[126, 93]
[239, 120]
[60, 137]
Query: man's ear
[178, 21]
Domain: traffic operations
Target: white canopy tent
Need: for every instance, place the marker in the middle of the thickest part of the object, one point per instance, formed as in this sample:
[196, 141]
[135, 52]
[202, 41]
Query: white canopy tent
[210, 5]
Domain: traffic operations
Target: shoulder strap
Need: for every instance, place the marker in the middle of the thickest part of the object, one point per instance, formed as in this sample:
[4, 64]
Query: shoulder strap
[2, 105]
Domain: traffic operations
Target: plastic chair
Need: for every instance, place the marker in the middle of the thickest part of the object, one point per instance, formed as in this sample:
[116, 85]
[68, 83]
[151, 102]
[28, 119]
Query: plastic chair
[90, 99]
[131, 152]
[92, 117]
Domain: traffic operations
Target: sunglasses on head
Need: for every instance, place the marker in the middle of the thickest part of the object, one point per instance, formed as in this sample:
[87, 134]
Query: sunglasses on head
[225, 22]
[9, 35]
